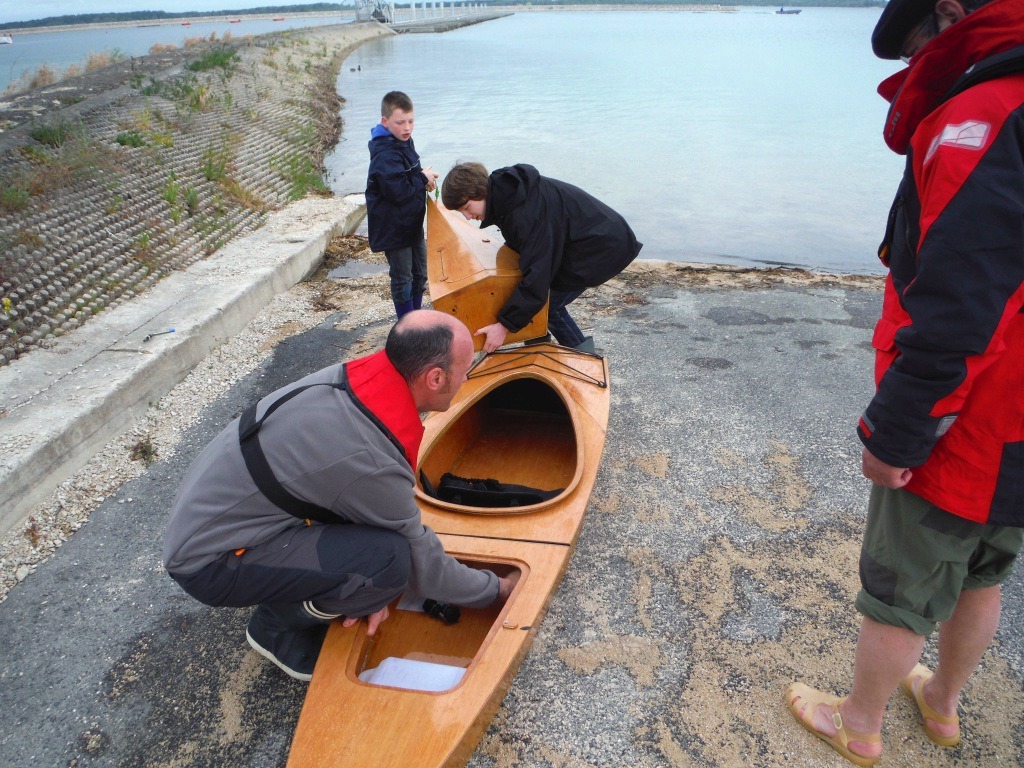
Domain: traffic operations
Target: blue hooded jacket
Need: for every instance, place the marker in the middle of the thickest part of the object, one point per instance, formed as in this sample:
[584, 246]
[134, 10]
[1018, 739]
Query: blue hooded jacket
[395, 186]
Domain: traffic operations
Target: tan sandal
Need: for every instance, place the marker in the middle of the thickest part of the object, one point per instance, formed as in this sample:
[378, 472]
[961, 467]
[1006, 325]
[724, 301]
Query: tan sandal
[913, 686]
[809, 699]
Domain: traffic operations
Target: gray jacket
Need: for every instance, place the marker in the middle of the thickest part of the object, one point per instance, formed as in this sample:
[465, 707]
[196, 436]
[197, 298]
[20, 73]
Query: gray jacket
[323, 450]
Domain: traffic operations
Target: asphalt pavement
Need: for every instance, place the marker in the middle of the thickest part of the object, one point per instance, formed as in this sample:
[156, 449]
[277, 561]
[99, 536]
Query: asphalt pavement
[717, 562]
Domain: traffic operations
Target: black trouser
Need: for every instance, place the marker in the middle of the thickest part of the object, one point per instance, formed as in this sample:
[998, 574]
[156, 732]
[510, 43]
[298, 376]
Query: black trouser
[353, 570]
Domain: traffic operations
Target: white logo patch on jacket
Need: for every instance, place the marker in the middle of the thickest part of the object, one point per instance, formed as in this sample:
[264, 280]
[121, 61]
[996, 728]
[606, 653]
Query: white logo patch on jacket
[969, 135]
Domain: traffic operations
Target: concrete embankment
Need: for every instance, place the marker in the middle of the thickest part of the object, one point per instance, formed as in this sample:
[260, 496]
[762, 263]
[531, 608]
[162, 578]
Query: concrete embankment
[105, 196]
[90, 227]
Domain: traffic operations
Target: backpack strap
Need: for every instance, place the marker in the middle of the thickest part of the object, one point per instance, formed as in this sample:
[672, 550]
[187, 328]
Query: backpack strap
[259, 468]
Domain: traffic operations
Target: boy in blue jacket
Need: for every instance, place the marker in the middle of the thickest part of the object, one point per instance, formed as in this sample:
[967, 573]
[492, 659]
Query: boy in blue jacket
[396, 201]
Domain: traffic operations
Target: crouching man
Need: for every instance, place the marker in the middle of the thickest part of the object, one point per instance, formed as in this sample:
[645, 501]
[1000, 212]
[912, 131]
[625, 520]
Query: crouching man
[304, 506]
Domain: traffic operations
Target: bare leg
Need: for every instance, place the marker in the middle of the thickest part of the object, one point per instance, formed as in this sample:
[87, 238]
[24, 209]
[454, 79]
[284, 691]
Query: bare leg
[885, 655]
[963, 640]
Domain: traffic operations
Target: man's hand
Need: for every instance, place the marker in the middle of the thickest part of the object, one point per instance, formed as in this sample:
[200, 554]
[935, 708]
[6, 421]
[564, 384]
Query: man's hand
[506, 584]
[880, 473]
[373, 620]
[495, 334]
[431, 178]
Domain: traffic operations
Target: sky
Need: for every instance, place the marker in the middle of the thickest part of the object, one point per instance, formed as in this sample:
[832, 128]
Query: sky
[20, 10]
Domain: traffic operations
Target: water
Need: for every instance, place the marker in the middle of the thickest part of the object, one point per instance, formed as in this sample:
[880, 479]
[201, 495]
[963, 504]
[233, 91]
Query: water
[60, 50]
[737, 138]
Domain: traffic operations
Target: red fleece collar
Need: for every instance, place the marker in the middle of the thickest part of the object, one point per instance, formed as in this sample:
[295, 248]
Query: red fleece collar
[916, 91]
[379, 386]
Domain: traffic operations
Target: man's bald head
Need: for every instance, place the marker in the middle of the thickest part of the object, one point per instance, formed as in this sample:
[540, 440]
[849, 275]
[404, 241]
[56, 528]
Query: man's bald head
[424, 339]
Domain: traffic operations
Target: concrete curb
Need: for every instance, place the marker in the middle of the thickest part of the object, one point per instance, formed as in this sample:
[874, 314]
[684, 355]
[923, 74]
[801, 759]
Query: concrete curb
[60, 405]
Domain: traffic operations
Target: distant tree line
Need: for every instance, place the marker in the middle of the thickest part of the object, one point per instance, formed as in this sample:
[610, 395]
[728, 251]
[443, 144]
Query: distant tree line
[107, 18]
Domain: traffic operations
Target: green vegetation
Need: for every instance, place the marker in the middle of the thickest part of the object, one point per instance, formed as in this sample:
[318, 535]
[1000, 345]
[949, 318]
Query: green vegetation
[191, 197]
[144, 244]
[9, 316]
[130, 139]
[55, 134]
[216, 58]
[188, 94]
[215, 163]
[171, 189]
[14, 198]
[303, 176]
[143, 451]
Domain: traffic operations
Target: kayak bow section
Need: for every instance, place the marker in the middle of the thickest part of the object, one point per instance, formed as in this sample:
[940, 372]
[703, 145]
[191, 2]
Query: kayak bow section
[471, 276]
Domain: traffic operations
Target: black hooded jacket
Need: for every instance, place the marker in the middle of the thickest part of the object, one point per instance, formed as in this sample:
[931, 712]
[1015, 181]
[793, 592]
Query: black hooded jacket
[566, 239]
[395, 192]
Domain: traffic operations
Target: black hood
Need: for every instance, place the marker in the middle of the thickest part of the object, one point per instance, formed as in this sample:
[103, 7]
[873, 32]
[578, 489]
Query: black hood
[509, 188]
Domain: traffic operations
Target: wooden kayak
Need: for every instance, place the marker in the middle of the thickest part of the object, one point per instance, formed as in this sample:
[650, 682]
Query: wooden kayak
[528, 416]
[470, 276]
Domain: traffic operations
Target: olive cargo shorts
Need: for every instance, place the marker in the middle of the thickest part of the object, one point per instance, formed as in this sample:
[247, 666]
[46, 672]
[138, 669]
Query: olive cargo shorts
[916, 559]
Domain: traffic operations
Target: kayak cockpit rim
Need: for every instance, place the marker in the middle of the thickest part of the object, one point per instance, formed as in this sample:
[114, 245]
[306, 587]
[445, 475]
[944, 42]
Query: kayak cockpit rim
[556, 360]
[414, 635]
[454, 439]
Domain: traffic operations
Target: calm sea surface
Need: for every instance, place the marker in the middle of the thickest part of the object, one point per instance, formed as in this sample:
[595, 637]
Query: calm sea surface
[60, 50]
[744, 138]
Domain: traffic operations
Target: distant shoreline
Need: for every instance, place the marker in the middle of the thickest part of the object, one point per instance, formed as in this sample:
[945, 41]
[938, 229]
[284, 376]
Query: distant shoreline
[348, 15]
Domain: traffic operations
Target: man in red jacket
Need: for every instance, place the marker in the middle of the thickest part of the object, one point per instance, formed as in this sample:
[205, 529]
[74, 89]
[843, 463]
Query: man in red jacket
[944, 434]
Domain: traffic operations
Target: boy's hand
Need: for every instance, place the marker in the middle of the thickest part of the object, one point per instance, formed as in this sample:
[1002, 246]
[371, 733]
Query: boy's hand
[495, 334]
[431, 178]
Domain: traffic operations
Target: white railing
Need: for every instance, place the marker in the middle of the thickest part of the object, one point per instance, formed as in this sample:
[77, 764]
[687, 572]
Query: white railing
[425, 10]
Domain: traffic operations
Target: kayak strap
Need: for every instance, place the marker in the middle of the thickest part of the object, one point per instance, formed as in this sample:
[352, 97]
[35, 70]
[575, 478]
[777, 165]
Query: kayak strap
[487, 492]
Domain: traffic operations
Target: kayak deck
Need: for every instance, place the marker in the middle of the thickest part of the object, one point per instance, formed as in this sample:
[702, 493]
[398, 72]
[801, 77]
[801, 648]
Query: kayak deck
[348, 722]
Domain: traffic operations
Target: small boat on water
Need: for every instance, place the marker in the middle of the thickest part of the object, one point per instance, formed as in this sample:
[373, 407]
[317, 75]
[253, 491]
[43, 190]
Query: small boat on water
[234, 21]
[279, 18]
[186, 23]
[6, 40]
[523, 441]
[789, 11]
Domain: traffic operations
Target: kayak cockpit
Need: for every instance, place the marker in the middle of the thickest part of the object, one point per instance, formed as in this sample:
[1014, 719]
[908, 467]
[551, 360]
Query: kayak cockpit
[514, 449]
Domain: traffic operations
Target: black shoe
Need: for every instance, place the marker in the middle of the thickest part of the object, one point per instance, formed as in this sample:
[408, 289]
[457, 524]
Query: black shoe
[545, 339]
[288, 635]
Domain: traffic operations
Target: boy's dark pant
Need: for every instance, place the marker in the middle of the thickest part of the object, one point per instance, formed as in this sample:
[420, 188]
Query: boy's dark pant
[560, 322]
[352, 570]
[408, 270]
